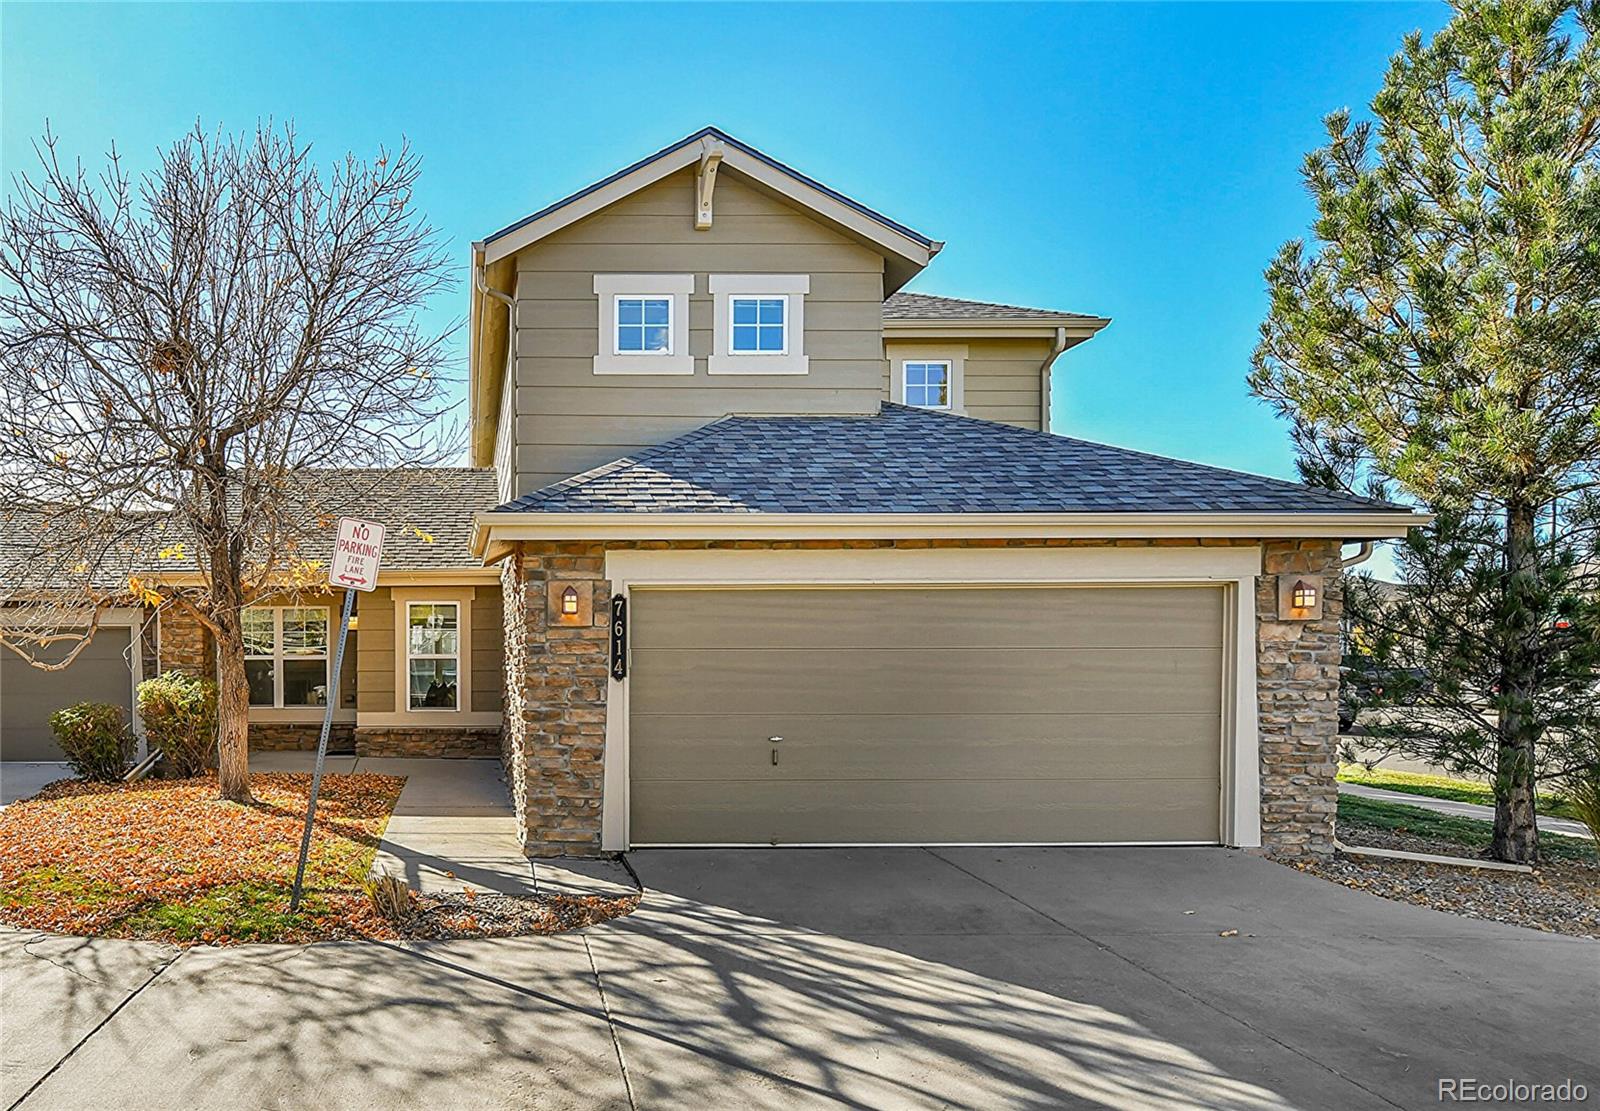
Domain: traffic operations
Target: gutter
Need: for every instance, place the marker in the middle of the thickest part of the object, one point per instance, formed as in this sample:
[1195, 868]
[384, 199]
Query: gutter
[492, 530]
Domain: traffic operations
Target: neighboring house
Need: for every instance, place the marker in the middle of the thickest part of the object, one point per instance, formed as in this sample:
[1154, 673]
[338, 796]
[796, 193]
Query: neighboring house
[422, 672]
[864, 594]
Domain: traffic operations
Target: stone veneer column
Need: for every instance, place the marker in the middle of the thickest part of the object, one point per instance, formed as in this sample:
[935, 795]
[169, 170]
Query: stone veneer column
[555, 701]
[185, 643]
[1297, 677]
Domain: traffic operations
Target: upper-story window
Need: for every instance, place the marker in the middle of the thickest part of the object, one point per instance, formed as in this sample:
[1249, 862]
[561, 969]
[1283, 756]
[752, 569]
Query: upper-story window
[644, 325]
[759, 324]
[928, 384]
[928, 375]
[644, 320]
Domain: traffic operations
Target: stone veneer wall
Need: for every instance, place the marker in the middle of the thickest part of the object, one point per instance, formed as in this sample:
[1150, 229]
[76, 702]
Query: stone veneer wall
[296, 736]
[185, 643]
[553, 738]
[410, 741]
[1297, 688]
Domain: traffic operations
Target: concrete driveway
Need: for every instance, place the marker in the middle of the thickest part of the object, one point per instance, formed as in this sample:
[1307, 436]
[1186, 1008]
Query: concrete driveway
[983, 978]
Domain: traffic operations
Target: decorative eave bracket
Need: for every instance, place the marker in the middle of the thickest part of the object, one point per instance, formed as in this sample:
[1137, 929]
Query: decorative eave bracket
[706, 182]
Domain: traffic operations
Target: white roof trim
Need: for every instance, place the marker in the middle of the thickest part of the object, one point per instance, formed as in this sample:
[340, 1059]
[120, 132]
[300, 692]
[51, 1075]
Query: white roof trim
[687, 154]
[491, 530]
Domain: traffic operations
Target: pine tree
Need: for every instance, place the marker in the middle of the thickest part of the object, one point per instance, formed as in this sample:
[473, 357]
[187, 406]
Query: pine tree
[1442, 331]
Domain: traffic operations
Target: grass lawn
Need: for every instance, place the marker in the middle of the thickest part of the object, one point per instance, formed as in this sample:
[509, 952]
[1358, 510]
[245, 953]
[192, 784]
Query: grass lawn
[166, 859]
[1442, 787]
[1356, 812]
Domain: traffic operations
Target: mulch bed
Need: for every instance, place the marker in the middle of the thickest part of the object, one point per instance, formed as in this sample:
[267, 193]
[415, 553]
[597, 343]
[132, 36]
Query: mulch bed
[167, 860]
[1560, 896]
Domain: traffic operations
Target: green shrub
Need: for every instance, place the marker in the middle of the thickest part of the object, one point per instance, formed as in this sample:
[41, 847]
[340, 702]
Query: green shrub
[180, 720]
[97, 741]
[1581, 792]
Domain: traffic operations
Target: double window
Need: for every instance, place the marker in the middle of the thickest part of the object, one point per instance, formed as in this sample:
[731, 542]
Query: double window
[433, 655]
[286, 655]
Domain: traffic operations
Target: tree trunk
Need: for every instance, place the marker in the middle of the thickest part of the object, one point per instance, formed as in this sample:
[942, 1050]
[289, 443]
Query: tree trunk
[233, 709]
[1516, 829]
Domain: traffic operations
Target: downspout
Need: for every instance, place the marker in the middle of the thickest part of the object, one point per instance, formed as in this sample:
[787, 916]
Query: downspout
[1044, 377]
[487, 290]
[1363, 554]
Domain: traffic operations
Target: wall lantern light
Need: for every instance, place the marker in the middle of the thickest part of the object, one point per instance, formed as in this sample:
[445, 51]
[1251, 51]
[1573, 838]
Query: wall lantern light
[570, 603]
[1299, 597]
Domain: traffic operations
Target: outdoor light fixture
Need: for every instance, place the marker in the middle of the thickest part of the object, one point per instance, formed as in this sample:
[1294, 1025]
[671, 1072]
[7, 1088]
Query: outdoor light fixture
[1304, 596]
[569, 602]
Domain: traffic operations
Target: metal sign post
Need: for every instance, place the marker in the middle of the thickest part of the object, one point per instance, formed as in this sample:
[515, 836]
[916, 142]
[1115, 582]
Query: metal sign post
[356, 555]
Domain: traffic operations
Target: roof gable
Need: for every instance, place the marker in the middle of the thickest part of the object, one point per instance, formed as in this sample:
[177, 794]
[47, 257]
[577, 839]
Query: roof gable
[906, 251]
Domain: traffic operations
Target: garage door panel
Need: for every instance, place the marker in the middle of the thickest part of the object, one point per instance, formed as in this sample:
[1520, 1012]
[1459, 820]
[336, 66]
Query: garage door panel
[1056, 714]
[958, 746]
[925, 680]
[924, 812]
[28, 696]
[1014, 617]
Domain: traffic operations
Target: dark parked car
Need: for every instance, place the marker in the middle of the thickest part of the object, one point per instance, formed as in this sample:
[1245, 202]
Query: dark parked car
[1398, 686]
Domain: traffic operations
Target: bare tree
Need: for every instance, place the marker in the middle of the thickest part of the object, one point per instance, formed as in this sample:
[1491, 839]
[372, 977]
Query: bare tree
[178, 351]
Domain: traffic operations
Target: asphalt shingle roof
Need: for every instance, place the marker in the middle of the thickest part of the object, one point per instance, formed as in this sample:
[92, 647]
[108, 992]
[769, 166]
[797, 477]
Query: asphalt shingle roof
[427, 514]
[926, 306]
[907, 460]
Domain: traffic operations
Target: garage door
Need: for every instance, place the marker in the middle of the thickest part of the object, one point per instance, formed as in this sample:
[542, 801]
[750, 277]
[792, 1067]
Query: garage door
[923, 715]
[29, 696]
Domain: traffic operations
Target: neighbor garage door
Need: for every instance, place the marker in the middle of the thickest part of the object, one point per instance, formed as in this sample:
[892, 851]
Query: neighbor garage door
[29, 696]
[923, 715]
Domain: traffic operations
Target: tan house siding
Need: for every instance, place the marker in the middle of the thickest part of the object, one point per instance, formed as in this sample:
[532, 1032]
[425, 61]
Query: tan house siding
[569, 418]
[555, 717]
[488, 650]
[1001, 380]
[375, 663]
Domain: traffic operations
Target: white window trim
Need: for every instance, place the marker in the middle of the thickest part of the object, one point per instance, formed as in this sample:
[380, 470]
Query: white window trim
[403, 697]
[954, 354]
[398, 716]
[1234, 568]
[675, 289]
[792, 288]
[758, 298]
[279, 658]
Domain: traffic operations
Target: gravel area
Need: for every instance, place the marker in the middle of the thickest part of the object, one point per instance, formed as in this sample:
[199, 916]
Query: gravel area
[441, 917]
[1559, 897]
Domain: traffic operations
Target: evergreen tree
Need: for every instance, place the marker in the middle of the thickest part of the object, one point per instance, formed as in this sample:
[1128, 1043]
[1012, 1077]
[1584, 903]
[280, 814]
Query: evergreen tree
[1442, 333]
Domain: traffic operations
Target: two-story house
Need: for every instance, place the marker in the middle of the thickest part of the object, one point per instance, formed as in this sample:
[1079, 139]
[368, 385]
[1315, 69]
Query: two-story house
[758, 549]
[789, 556]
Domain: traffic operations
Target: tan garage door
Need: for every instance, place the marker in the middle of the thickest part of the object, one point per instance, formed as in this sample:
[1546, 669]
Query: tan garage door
[29, 696]
[922, 715]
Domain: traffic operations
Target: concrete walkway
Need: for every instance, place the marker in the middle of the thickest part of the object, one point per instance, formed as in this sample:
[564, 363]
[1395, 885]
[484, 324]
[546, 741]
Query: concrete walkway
[20, 779]
[454, 828]
[788, 978]
[1563, 826]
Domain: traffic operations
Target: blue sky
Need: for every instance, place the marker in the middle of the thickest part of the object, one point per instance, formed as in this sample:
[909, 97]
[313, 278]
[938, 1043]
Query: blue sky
[1136, 161]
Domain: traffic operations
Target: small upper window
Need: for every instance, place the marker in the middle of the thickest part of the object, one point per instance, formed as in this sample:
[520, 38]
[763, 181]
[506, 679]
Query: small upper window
[759, 325]
[928, 385]
[644, 325]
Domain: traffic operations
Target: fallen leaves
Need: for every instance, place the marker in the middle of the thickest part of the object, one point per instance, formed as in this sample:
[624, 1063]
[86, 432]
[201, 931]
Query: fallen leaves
[169, 860]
